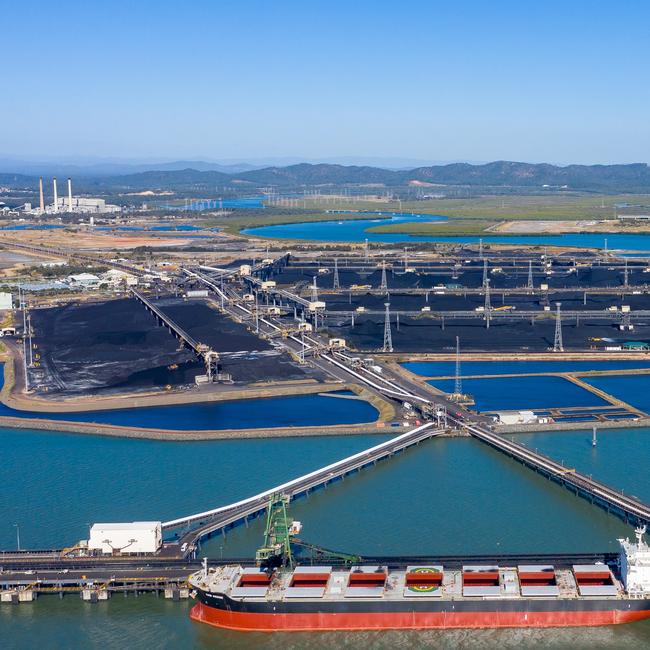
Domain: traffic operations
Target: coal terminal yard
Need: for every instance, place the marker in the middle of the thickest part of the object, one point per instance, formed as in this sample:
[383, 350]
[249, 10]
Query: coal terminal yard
[116, 347]
[604, 301]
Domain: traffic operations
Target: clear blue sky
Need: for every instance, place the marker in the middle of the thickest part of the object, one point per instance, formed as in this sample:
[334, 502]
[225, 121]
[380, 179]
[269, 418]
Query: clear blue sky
[558, 81]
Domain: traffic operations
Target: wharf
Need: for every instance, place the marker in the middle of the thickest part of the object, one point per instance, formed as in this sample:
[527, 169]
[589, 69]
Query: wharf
[25, 581]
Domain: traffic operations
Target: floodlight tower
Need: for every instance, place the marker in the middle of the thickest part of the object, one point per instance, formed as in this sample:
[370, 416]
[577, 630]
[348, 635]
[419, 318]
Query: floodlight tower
[530, 275]
[458, 385]
[336, 284]
[384, 281]
[388, 338]
[314, 291]
[558, 346]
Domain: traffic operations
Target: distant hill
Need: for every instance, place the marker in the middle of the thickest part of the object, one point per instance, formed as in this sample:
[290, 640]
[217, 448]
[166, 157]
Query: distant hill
[631, 177]
[320, 174]
[102, 169]
[606, 178]
[502, 174]
[185, 179]
[18, 181]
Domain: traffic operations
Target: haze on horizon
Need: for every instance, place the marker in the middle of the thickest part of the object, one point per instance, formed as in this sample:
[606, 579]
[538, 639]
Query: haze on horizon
[432, 81]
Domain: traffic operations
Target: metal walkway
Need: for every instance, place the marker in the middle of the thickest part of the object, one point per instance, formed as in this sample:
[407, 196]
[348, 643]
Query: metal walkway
[628, 508]
[221, 518]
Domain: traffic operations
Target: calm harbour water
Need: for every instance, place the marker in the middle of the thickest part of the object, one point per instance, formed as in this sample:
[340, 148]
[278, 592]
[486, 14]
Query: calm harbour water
[445, 496]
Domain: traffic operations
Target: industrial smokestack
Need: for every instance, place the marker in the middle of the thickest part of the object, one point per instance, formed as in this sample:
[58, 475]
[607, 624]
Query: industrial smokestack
[40, 187]
[69, 195]
[56, 196]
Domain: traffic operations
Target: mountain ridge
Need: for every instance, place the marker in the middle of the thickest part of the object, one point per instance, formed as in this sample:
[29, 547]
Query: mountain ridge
[632, 177]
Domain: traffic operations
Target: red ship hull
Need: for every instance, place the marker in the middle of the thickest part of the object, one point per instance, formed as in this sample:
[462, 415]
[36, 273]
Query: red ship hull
[326, 621]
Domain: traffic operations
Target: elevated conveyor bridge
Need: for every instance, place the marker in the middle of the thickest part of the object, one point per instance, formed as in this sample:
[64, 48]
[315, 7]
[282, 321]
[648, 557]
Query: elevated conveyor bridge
[218, 519]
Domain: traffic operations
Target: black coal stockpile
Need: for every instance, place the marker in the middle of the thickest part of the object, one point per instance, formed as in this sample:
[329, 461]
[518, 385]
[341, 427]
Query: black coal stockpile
[426, 334]
[118, 346]
[114, 345]
[243, 354]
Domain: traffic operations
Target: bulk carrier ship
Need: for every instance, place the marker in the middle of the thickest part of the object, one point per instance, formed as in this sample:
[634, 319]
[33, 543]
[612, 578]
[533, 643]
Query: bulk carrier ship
[280, 595]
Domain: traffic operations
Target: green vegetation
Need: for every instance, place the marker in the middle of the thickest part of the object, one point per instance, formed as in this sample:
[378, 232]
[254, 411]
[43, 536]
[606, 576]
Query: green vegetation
[453, 227]
[469, 216]
[235, 224]
[63, 271]
[527, 208]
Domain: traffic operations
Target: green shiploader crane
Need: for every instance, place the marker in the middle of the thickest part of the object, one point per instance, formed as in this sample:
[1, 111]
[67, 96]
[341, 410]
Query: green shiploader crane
[280, 538]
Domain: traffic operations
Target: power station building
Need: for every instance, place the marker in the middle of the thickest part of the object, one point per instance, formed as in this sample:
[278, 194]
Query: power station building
[69, 203]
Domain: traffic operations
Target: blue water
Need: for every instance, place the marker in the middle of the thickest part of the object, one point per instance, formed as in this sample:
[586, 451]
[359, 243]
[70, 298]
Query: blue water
[344, 231]
[57, 483]
[633, 389]
[356, 231]
[445, 368]
[522, 393]
[160, 228]
[614, 460]
[300, 410]
[33, 226]
[60, 482]
[444, 496]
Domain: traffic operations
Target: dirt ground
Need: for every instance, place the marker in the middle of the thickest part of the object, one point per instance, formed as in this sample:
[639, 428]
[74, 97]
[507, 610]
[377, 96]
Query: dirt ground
[87, 240]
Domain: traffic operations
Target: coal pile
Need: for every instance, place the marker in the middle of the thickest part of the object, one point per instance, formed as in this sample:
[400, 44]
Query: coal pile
[244, 355]
[118, 346]
[107, 347]
[425, 335]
